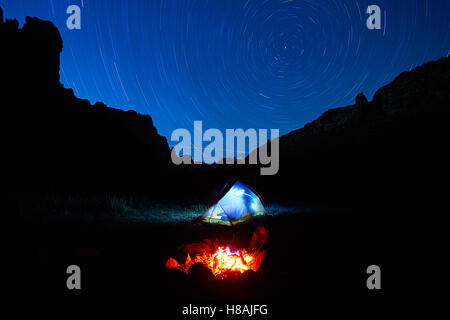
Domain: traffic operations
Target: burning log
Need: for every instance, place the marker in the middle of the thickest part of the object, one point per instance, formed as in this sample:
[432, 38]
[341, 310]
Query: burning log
[221, 260]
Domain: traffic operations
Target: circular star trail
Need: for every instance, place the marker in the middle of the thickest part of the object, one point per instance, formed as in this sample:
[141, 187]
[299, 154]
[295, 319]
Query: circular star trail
[238, 64]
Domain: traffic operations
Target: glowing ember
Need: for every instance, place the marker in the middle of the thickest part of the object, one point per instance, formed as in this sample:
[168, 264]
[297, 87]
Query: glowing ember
[222, 261]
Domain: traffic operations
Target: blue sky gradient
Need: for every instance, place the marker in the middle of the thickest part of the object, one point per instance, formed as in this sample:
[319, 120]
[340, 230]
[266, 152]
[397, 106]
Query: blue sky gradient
[238, 64]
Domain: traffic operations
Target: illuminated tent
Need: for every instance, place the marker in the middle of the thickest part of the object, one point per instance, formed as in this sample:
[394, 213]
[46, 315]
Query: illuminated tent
[237, 205]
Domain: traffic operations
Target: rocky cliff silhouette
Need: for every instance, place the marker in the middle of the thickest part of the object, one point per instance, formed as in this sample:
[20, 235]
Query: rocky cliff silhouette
[393, 146]
[56, 141]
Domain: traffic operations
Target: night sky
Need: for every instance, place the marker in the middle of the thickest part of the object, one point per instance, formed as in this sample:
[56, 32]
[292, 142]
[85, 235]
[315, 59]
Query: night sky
[238, 63]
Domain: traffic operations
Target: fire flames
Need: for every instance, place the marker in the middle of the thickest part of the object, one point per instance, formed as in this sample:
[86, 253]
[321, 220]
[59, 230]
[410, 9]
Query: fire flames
[221, 260]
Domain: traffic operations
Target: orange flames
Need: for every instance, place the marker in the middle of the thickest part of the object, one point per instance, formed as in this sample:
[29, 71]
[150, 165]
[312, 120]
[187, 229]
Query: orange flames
[221, 260]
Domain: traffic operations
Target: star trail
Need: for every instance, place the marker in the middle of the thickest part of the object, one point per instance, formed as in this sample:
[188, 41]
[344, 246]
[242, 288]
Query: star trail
[238, 64]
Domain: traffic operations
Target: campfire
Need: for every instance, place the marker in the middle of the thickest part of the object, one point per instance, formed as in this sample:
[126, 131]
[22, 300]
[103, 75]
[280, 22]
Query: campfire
[221, 260]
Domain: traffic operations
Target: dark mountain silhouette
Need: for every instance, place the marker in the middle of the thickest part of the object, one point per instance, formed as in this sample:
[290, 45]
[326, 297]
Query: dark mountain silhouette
[394, 145]
[55, 141]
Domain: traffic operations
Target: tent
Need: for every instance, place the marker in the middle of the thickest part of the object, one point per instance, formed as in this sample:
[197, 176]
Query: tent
[237, 205]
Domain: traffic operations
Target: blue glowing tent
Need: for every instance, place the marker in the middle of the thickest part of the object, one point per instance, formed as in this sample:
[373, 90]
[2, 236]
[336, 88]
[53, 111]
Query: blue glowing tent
[237, 205]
